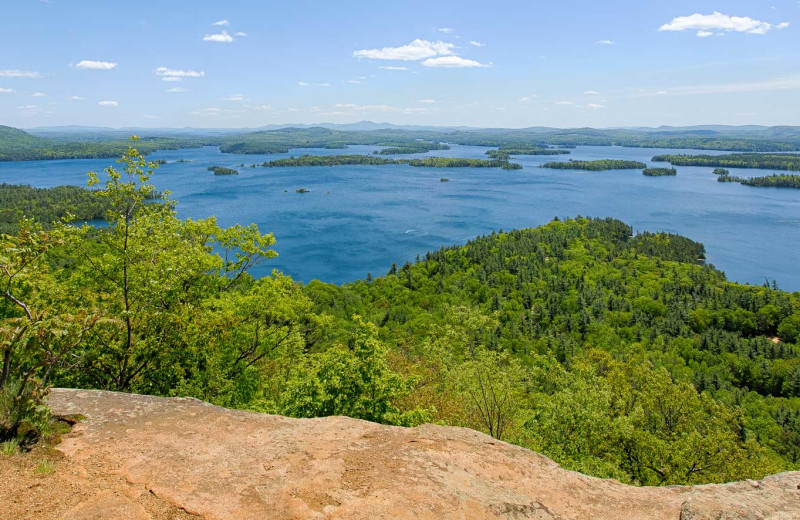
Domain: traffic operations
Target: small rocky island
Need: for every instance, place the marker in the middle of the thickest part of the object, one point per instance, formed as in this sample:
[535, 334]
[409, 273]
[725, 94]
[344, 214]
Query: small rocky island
[220, 170]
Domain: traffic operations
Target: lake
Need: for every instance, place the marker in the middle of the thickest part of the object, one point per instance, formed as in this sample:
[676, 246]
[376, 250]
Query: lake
[360, 219]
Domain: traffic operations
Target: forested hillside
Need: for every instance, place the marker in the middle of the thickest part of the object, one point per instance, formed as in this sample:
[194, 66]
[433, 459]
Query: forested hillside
[617, 355]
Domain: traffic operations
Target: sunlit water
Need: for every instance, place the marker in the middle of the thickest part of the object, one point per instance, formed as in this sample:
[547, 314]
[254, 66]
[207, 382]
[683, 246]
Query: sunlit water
[360, 219]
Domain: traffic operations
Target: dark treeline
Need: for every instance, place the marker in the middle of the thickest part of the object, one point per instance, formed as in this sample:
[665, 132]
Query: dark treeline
[767, 181]
[47, 205]
[221, 170]
[659, 172]
[505, 154]
[427, 162]
[744, 160]
[420, 147]
[596, 166]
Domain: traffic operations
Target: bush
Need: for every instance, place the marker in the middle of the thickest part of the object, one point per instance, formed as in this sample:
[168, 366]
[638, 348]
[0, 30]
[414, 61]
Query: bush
[24, 416]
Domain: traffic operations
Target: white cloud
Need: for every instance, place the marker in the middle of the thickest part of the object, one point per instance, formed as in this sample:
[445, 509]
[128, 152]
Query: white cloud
[233, 97]
[222, 37]
[426, 101]
[595, 105]
[38, 94]
[33, 110]
[95, 65]
[567, 103]
[14, 73]
[604, 42]
[390, 67]
[477, 44]
[150, 116]
[378, 108]
[108, 104]
[446, 30]
[211, 111]
[177, 89]
[591, 93]
[221, 22]
[452, 62]
[175, 75]
[240, 33]
[704, 34]
[6, 90]
[77, 98]
[787, 83]
[705, 23]
[306, 84]
[416, 50]
[782, 25]
[528, 98]
[261, 107]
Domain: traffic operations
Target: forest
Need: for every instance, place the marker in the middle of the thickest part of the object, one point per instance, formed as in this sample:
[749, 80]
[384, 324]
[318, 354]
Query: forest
[48, 205]
[767, 181]
[595, 166]
[18, 145]
[616, 354]
[749, 160]
[427, 162]
[659, 172]
[221, 170]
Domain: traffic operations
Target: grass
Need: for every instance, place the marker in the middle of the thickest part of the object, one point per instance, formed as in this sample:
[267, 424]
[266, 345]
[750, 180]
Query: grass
[9, 448]
[46, 467]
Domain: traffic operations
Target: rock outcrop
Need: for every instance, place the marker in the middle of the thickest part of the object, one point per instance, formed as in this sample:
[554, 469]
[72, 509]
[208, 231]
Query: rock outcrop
[166, 458]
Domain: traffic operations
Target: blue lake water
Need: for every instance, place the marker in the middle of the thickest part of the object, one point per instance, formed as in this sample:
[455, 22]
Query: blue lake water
[360, 219]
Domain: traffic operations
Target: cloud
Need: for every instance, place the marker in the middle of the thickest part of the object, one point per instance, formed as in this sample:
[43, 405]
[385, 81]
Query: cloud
[591, 93]
[704, 34]
[426, 101]
[177, 89]
[95, 65]
[306, 84]
[414, 51]
[221, 22]
[452, 62]
[176, 75]
[240, 33]
[528, 98]
[567, 103]
[6, 90]
[38, 94]
[14, 73]
[377, 108]
[477, 44]
[786, 83]
[353, 81]
[782, 25]
[260, 107]
[222, 37]
[77, 98]
[233, 97]
[108, 104]
[604, 42]
[33, 110]
[716, 21]
[390, 67]
[446, 30]
[595, 105]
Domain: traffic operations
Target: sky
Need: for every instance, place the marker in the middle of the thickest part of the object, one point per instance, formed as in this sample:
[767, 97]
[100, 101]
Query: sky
[237, 64]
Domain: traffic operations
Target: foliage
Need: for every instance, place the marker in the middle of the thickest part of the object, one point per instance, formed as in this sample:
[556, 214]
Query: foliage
[427, 162]
[659, 172]
[504, 153]
[220, 170]
[47, 205]
[419, 147]
[766, 161]
[596, 166]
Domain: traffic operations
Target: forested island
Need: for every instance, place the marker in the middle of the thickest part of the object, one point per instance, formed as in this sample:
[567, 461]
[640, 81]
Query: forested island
[659, 172]
[221, 170]
[47, 205]
[408, 149]
[613, 353]
[778, 161]
[767, 181]
[595, 166]
[427, 162]
[505, 154]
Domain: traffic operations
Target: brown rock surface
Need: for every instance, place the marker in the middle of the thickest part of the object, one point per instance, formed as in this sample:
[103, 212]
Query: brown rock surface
[171, 458]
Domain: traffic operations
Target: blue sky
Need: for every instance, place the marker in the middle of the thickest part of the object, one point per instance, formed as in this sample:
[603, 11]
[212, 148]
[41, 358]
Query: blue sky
[492, 64]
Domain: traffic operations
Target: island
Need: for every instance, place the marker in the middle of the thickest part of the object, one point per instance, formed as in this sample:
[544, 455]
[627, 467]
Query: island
[596, 166]
[766, 161]
[659, 172]
[221, 170]
[427, 162]
[302, 190]
[444, 179]
[768, 181]
[721, 171]
[406, 149]
[504, 154]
